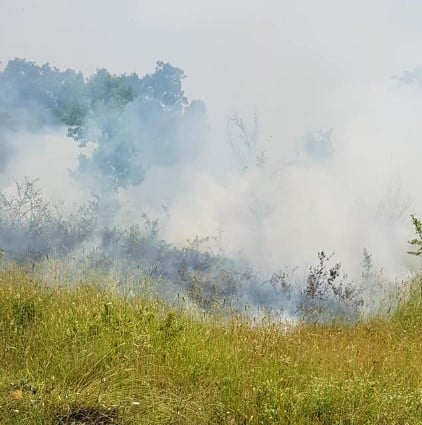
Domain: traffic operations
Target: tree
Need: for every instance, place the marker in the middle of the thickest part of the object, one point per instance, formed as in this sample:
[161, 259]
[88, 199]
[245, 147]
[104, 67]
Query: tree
[135, 123]
[131, 123]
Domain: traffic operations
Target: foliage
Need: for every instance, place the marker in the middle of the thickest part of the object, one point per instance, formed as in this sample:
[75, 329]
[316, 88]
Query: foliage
[416, 242]
[131, 122]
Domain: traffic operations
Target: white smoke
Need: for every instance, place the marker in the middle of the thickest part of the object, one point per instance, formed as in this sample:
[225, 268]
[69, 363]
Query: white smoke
[305, 67]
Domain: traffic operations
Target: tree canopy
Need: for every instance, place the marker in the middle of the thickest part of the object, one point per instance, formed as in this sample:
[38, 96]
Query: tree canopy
[131, 122]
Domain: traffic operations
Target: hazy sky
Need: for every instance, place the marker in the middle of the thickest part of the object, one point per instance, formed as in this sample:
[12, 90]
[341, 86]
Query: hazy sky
[281, 57]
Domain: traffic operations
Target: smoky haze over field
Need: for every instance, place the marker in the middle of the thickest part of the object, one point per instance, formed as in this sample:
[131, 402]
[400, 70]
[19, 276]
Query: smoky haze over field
[296, 128]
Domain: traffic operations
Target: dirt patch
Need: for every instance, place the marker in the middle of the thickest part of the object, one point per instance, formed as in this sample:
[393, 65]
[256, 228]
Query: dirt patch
[87, 415]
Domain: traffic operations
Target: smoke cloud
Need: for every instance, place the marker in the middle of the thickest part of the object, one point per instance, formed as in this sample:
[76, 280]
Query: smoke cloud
[306, 136]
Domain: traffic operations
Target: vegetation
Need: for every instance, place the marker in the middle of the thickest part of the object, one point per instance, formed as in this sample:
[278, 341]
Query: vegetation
[175, 347]
[132, 122]
[33, 230]
[85, 354]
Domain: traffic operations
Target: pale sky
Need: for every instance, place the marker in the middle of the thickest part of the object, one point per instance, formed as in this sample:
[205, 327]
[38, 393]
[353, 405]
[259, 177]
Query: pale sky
[270, 55]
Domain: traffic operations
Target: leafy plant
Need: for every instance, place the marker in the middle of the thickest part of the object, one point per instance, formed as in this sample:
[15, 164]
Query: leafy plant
[416, 242]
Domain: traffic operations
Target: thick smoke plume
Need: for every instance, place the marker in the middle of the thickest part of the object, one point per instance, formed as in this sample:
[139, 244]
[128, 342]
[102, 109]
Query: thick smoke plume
[123, 174]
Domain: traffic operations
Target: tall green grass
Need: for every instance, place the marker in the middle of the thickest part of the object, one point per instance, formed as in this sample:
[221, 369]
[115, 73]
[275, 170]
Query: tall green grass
[87, 355]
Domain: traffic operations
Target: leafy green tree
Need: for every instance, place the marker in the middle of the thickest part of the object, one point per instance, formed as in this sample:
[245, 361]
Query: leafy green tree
[60, 95]
[136, 123]
[131, 123]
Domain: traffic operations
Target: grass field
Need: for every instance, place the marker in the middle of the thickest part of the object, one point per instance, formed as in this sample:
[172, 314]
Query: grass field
[87, 355]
